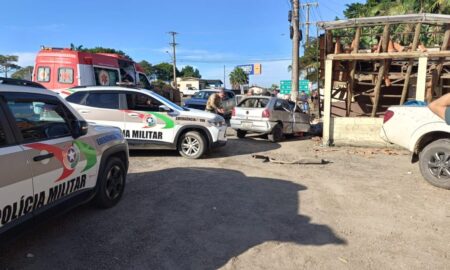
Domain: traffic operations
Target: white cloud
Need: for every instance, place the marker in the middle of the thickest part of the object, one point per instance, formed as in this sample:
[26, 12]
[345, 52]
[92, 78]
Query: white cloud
[25, 58]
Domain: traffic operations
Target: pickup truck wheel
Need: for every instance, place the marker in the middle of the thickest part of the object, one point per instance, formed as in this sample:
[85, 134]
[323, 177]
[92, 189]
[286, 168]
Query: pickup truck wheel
[277, 134]
[192, 145]
[434, 162]
[111, 183]
[241, 133]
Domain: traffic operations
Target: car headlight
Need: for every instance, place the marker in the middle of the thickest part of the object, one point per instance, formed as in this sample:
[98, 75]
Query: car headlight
[218, 121]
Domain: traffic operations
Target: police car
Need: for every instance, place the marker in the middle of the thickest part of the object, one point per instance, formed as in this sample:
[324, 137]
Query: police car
[149, 121]
[50, 156]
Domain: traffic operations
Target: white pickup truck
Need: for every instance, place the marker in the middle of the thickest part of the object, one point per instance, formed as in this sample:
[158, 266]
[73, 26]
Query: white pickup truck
[426, 135]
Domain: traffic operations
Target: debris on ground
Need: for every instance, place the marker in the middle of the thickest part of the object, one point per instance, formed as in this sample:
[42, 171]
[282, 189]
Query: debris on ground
[305, 161]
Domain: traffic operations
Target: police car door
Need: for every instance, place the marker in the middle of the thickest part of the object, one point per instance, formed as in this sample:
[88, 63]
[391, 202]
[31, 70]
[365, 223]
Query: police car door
[102, 107]
[60, 165]
[145, 122]
[16, 186]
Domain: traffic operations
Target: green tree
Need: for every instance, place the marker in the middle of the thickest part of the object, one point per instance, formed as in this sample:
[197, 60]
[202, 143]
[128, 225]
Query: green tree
[274, 86]
[7, 64]
[238, 77]
[309, 61]
[164, 71]
[148, 68]
[99, 49]
[189, 71]
[23, 73]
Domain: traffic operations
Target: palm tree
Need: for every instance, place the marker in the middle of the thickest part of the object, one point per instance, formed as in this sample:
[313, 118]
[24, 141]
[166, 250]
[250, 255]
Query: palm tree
[238, 77]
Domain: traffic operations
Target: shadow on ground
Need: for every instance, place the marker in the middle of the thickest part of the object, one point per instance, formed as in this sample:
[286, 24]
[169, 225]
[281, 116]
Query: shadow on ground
[182, 218]
[234, 147]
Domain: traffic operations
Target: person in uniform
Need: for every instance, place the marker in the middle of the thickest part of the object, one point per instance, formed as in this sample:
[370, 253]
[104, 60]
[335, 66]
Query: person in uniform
[214, 104]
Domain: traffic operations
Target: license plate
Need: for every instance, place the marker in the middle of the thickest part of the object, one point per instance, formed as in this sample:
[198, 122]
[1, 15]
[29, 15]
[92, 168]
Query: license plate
[246, 124]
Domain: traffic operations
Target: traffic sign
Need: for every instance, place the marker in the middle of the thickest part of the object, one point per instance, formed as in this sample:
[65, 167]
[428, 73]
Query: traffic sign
[286, 86]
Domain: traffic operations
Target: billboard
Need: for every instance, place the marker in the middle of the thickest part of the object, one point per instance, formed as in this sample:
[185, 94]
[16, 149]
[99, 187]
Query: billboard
[251, 69]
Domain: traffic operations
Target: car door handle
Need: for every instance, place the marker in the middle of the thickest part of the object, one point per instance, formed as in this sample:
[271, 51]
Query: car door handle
[133, 115]
[84, 111]
[43, 157]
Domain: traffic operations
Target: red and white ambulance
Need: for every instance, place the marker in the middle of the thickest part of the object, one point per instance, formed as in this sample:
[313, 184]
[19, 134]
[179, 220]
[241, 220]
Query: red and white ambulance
[60, 69]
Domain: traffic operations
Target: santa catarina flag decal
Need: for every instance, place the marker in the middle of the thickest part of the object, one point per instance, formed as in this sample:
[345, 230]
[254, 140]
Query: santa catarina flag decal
[69, 156]
[149, 118]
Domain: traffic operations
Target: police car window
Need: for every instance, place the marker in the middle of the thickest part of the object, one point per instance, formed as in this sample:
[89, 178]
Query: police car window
[141, 102]
[103, 100]
[77, 97]
[39, 120]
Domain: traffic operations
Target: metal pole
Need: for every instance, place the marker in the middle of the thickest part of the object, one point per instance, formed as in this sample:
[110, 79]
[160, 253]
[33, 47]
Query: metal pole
[295, 49]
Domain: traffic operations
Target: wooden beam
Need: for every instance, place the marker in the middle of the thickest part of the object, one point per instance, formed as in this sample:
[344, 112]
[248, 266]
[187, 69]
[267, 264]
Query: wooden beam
[351, 82]
[326, 137]
[414, 46]
[421, 79]
[386, 55]
[381, 71]
[444, 47]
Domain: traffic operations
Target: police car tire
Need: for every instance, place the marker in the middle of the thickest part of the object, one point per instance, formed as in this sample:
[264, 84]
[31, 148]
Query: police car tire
[201, 142]
[102, 199]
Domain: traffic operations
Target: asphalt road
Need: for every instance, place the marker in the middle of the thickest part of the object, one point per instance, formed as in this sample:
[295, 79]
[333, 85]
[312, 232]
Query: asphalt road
[229, 210]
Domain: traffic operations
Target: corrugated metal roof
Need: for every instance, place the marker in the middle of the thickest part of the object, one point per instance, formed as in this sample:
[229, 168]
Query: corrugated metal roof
[381, 20]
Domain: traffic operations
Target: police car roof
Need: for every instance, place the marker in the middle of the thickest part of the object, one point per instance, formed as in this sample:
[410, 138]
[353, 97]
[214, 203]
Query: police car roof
[13, 85]
[107, 88]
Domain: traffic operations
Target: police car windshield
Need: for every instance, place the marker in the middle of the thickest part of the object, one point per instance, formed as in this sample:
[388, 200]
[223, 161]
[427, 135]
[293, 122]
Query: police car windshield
[168, 102]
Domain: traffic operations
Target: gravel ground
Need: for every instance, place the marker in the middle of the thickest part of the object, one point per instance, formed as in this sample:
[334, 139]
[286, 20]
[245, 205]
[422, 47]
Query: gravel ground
[367, 209]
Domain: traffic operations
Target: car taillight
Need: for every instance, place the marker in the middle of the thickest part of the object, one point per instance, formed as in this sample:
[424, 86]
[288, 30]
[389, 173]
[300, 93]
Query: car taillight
[233, 112]
[387, 116]
[266, 113]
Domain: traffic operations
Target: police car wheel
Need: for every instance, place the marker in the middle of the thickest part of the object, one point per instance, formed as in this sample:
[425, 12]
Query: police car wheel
[192, 145]
[111, 183]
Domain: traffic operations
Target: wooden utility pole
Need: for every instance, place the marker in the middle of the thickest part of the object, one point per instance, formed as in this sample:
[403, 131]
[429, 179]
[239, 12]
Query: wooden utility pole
[295, 22]
[307, 22]
[174, 58]
[351, 82]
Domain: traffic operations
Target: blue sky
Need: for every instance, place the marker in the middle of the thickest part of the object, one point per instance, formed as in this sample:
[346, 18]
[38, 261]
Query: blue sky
[213, 33]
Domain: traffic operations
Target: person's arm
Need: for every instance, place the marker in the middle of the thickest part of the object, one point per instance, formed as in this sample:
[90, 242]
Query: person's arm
[439, 107]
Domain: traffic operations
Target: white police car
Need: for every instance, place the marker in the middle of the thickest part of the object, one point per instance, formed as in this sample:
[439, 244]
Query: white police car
[50, 157]
[149, 121]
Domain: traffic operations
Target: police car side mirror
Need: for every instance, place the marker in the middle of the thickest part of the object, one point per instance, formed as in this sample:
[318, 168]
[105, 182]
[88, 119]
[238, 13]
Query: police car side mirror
[79, 128]
[164, 108]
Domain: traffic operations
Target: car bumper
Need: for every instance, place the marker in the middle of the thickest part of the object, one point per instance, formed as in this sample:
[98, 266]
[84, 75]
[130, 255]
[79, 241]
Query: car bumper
[252, 126]
[219, 136]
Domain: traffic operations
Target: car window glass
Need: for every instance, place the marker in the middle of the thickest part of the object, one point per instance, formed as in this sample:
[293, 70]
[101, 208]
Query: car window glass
[198, 95]
[230, 95]
[141, 102]
[279, 105]
[43, 74]
[103, 100]
[65, 75]
[77, 97]
[39, 120]
[254, 103]
[143, 81]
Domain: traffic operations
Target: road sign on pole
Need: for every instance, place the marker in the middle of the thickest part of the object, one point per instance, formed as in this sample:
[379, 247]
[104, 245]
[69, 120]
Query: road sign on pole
[286, 86]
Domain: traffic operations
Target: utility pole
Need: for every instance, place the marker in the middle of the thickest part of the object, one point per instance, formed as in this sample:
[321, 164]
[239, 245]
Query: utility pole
[174, 58]
[294, 18]
[224, 78]
[308, 23]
